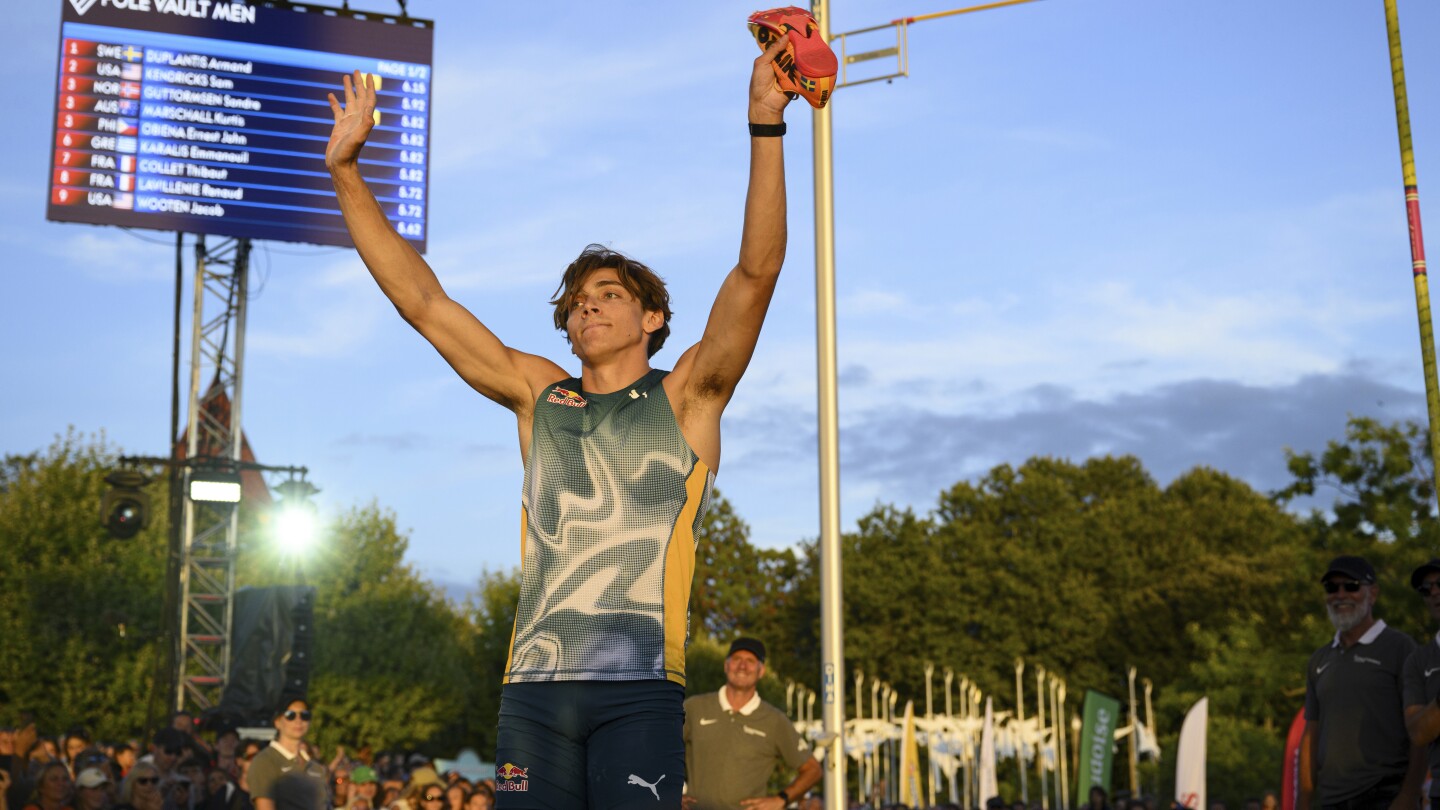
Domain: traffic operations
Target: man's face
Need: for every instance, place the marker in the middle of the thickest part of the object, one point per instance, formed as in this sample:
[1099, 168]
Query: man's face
[183, 722]
[1429, 589]
[743, 670]
[1348, 602]
[73, 747]
[294, 723]
[606, 317]
[367, 789]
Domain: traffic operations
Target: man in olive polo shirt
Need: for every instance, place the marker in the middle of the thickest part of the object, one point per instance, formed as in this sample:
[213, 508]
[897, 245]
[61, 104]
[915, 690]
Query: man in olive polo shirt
[282, 776]
[1422, 679]
[734, 740]
[1355, 753]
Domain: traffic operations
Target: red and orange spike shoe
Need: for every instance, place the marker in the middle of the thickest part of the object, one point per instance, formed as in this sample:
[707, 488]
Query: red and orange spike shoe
[807, 66]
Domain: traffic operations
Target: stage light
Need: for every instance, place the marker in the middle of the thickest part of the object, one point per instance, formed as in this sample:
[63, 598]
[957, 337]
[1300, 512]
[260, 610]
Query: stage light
[296, 522]
[213, 486]
[125, 510]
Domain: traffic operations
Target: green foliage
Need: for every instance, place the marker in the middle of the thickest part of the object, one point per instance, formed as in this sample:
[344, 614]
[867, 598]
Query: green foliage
[79, 612]
[392, 657]
[1382, 478]
[491, 613]
[1207, 587]
[738, 589]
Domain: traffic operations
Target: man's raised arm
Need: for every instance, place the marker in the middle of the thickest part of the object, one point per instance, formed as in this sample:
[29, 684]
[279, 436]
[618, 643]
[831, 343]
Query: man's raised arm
[722, 354]
[509, 377]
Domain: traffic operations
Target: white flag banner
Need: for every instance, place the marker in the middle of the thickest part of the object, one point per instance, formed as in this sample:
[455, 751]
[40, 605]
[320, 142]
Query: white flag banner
[989, 785]
[1190, 757]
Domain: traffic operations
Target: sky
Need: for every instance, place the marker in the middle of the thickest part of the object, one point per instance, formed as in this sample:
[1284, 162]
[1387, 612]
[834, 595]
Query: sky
[1078, 227]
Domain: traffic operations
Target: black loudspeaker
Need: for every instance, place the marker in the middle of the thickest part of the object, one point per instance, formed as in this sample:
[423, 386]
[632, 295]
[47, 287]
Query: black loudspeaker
[272, 638]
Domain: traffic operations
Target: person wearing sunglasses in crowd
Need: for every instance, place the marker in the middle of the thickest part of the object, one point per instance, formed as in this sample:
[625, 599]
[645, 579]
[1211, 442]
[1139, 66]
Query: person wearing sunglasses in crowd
[1355, 752]
[431, 797]
[283, 776]
[141, 788]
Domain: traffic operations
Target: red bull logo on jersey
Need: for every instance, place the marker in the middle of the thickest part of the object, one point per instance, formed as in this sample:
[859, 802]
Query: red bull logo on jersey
[566, 397]
[511, 778]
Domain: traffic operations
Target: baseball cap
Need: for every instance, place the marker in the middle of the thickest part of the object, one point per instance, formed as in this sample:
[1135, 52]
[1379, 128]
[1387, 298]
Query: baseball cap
[1432, 567]
[751, 645]
[362, 775]
[91, 777]
[1354, 567]
[284, 706]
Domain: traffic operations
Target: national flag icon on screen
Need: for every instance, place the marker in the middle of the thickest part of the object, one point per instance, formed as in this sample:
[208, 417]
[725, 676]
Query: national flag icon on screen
[130, 90]
[130, 108]
[125, 202]
[131, 72]
[127, 126]
[125, 182]
[127, 163]
[127, 145]
[133, 54]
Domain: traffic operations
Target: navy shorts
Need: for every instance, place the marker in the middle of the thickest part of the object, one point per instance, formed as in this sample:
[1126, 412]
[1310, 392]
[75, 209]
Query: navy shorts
[590, 745]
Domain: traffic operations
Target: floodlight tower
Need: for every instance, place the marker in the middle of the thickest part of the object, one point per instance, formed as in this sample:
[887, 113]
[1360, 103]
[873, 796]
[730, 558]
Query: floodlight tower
[209, 528]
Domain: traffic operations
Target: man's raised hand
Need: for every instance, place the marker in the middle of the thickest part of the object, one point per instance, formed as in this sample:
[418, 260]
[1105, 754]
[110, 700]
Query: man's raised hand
[353, 121]
[767, 100]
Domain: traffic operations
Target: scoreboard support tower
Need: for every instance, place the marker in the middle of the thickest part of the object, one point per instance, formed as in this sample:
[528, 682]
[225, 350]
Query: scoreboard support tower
[208, 530]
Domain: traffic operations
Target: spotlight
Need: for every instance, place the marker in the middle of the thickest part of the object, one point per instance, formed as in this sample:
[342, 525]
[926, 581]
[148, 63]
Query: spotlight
[215, 486]
[125, 510]
[296, 522]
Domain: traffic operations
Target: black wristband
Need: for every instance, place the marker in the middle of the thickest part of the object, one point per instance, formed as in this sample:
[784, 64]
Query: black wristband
[780, 794]
[767, 130]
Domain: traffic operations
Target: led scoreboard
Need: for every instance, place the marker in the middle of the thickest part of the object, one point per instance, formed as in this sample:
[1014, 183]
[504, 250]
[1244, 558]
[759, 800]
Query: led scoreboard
[210, 116]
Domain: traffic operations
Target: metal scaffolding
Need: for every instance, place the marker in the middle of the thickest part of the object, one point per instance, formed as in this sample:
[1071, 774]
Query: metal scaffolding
[207, 570]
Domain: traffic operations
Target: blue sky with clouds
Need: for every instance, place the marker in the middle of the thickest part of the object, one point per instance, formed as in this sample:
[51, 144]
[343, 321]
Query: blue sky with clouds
[1079, 227]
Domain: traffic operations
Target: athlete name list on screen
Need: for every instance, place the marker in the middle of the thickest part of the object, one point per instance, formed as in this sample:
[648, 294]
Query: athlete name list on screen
[168, 130]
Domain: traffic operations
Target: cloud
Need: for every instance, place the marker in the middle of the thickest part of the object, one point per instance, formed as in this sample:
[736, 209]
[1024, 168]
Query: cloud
[908, 452]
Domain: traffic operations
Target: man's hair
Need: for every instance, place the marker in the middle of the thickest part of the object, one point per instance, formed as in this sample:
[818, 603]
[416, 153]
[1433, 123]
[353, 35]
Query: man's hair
[639, 280]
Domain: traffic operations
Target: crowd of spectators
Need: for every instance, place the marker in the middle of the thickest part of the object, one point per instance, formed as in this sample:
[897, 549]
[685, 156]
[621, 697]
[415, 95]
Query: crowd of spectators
[181, 767]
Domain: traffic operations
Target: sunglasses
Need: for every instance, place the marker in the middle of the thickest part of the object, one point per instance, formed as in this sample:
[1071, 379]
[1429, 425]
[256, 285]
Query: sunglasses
[291, 714]
[1427, 588]
[147, 780]
[1350, 586]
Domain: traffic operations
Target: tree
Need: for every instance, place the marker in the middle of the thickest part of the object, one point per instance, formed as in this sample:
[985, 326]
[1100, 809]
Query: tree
[80, 613]
[491, 612]
[737, 588]
[392, 666]
[1383, 509]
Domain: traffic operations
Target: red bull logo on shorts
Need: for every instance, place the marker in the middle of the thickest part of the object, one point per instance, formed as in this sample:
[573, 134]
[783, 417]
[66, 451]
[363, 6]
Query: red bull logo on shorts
[511, 778]
[566, 397]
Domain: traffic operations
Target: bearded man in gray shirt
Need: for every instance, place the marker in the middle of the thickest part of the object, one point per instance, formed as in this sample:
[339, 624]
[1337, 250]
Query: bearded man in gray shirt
[1355, 753]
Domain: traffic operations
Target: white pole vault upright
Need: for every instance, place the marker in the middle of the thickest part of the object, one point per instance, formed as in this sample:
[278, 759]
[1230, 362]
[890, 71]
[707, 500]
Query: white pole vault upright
[207, 571]
[832, 640]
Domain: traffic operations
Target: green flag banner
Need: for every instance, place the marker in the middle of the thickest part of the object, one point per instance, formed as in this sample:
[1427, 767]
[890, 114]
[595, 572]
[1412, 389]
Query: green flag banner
[1097, 744]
